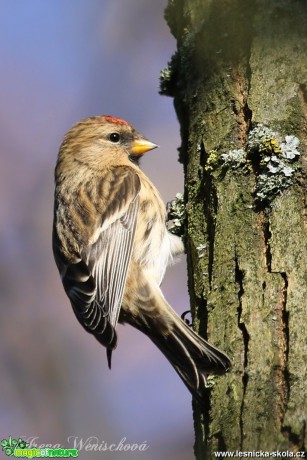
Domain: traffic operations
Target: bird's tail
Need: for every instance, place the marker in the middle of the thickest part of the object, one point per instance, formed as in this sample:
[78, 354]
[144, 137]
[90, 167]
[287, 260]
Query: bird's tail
[192, 357]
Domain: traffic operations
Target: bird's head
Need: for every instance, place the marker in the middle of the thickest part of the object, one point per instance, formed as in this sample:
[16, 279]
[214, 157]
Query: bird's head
[103, 140]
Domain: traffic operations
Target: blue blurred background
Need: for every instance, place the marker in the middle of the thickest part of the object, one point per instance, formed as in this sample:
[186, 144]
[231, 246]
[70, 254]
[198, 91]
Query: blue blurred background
[62, 61]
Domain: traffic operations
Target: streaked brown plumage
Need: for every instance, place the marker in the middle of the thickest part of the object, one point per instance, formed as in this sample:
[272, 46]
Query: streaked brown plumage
[112, 247]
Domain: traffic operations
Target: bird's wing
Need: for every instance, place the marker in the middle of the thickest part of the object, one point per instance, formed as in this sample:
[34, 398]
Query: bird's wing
[95, 283]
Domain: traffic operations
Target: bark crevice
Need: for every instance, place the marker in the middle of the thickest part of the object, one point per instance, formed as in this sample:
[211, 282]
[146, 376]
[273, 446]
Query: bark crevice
[210, 211]
[267, 236]
[239, 276]
[286, 341]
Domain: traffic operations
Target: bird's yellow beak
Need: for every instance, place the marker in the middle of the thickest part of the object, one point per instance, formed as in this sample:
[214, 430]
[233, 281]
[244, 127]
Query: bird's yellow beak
[141, 145]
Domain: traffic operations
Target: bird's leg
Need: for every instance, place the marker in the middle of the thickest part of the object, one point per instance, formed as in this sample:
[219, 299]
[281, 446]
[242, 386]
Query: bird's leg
[186, 320]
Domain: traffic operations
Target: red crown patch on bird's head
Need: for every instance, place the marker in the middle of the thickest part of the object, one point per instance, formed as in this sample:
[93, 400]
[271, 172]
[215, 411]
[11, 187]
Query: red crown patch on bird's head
[110, 119]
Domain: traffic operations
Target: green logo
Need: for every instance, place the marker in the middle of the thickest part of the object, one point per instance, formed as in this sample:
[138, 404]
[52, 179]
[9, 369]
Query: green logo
[9, 445]
[19, 448]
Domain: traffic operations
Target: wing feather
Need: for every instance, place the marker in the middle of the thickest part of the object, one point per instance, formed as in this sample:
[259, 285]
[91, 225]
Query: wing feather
[95, 280]
[111, 263]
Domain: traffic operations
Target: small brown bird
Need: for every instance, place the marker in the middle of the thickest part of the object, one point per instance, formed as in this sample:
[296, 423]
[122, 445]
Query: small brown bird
[112, 247]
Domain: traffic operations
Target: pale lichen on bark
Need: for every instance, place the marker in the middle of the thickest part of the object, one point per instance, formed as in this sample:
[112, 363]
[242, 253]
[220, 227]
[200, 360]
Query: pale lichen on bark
[240, 66]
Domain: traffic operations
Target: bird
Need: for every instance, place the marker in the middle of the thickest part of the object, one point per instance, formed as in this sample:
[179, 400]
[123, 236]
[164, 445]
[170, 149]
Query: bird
[111, 246]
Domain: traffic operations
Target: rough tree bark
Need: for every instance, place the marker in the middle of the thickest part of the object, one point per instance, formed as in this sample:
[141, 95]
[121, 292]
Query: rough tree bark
[239, 82]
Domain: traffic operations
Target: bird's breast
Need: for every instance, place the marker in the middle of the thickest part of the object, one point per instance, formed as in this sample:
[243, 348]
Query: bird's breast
[152, 248]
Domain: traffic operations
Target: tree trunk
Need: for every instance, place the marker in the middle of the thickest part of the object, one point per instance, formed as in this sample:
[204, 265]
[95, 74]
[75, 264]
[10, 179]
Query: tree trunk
[239, 82]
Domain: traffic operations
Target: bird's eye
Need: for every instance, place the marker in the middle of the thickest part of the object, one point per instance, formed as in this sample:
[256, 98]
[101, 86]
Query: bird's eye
[114, 137]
